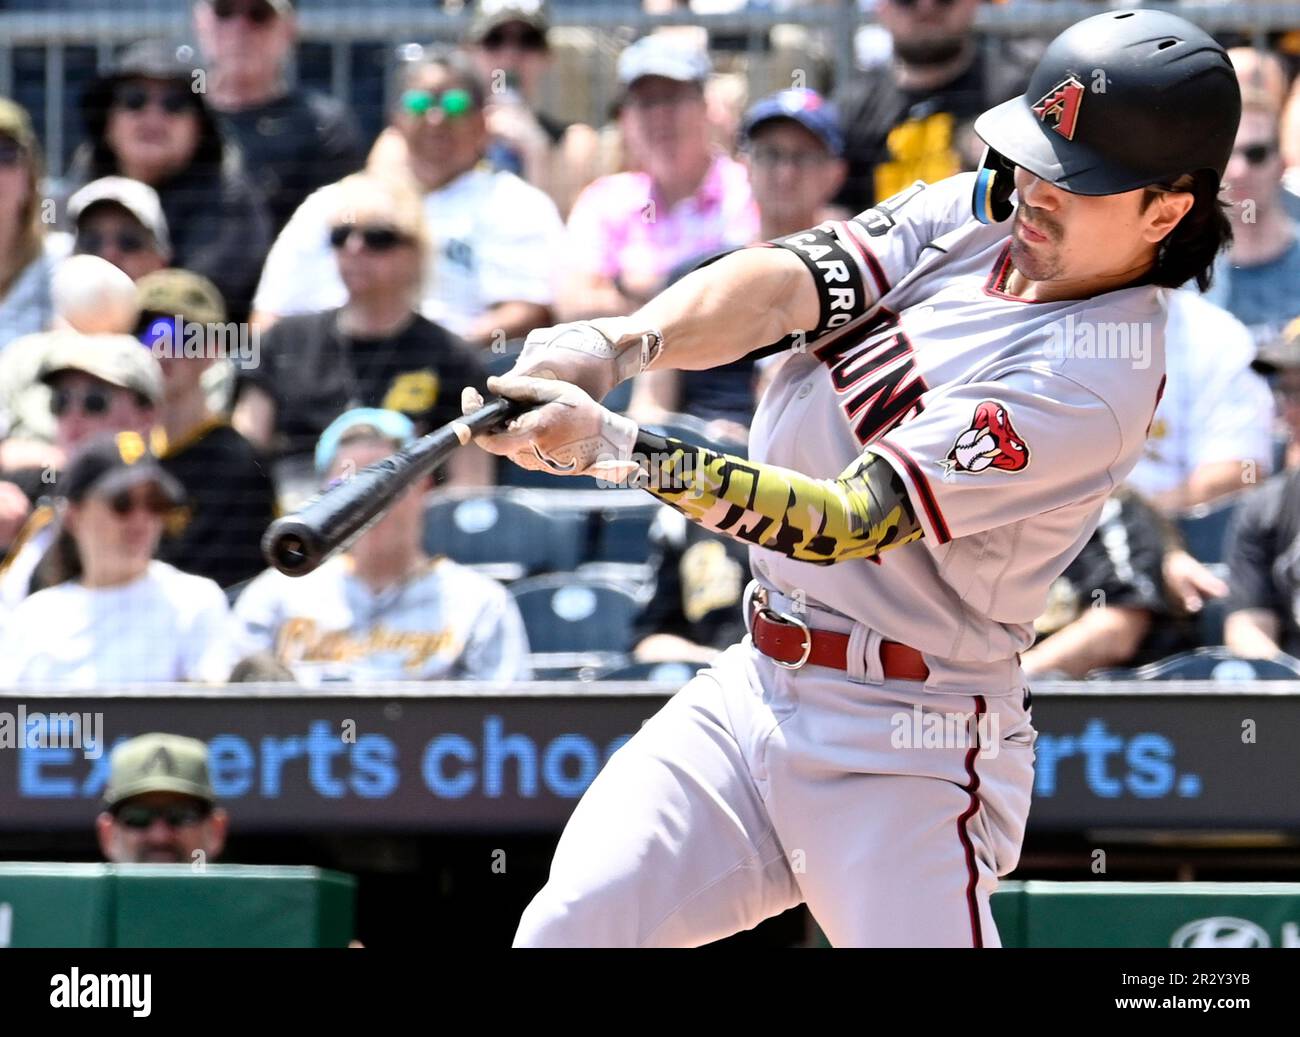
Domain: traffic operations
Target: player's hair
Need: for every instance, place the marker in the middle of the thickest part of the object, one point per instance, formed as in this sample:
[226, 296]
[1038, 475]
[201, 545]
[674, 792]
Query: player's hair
[1188, 251]
[459, 65]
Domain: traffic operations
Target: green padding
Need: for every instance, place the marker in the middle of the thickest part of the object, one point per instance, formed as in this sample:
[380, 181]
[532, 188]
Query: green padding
[1148, 914]
[170, 905]
[55, 905]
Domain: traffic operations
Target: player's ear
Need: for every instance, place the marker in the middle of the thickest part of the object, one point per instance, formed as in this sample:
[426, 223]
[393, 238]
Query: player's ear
[1164, 212]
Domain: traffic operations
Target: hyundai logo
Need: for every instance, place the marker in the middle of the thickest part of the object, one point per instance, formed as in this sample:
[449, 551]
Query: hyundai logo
[1220, 932]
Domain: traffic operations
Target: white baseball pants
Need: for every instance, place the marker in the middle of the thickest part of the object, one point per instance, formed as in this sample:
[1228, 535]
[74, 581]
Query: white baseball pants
[757, 788]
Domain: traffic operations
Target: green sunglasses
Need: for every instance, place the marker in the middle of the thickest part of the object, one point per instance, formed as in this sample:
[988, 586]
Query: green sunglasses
[454, 103]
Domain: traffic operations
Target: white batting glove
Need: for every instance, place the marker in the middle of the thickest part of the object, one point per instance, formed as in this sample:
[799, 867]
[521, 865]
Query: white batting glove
[566, 433]
[594, 355]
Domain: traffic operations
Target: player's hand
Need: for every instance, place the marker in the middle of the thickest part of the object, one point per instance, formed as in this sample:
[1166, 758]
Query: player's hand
[594, 355]
[1189, 581]
[566, 433]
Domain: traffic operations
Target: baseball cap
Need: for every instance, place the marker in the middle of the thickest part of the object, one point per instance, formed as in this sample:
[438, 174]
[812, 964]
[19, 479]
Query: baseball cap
[153, 59]
[116, 359]
[159, 763]
[140, 200]
[806, 107]
[390, 424]
[15, 123]
[660, 56]
[110, 464]
[492, 14]
[183, 293]
[1283, 353]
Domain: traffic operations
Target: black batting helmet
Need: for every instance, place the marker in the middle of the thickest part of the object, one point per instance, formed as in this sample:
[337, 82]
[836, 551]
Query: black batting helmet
[1119, 101]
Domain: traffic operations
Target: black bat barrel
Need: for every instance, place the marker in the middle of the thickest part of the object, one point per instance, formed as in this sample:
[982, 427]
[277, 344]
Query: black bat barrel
[297, 544]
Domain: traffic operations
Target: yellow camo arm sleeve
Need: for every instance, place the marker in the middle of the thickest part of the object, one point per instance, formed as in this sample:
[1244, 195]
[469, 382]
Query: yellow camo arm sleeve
[857, 515]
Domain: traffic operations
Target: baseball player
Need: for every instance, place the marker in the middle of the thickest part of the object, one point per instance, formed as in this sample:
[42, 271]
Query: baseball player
[928, 459]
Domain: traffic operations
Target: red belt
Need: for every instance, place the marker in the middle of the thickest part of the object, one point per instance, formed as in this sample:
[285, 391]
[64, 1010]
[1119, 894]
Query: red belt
[791, 643]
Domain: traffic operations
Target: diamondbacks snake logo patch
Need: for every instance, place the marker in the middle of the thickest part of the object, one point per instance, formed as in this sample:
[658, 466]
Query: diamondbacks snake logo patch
[991, 442]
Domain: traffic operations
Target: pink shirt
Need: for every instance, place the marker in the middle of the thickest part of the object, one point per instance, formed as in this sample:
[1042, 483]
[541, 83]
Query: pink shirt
[619, 225]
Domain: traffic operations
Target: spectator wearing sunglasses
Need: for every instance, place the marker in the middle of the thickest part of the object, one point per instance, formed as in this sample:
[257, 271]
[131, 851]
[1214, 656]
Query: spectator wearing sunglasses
[145, 120]
[628, 231]
[122, 221]
[229, 497]
[159, 804]
[508, 42]
[496, 237]
[384, 610]
[27, 255]
[112, 614]
[376, 350]
[910, 118]
[1264, 540]
[98, 385]
[293, 140]
[1258, 278]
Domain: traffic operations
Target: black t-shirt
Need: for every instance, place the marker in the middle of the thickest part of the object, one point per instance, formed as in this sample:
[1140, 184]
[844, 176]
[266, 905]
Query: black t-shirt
[1121, 566]
[295, 144]
[315, 372]
[1264, 555]
[699, 584]
[230, 503]
[933, 138]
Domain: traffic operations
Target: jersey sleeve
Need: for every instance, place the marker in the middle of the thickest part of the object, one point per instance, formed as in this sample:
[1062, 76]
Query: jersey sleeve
[855, 262]
[987, 454]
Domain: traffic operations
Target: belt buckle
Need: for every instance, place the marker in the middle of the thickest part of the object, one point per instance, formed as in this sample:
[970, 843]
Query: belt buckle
[792, 621]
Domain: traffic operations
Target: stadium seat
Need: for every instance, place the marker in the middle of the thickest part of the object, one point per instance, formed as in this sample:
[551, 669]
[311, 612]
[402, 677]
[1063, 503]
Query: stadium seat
[623, 534]
[1205, 526]
[511, 536]
[565, 613]
[1208, 664]
[661, 672]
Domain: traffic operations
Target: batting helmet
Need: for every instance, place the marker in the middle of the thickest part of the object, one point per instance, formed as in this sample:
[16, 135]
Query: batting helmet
[1119, 101]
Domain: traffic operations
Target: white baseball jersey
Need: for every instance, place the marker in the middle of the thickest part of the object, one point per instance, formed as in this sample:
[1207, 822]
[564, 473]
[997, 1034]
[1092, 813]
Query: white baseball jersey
[1009, 421]
[1215, 408]
[446, 622]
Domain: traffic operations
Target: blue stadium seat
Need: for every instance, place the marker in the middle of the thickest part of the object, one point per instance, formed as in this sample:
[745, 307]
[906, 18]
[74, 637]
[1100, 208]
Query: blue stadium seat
[1205, 526]
[497, 529]
[623, 534]
[565, 613]
[1208, 664]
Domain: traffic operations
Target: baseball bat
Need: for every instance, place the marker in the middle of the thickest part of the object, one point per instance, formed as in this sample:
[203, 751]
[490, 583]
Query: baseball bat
[297, 544]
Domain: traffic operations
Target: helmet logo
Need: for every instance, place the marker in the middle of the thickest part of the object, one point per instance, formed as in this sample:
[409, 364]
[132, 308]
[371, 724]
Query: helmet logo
[1061, 105]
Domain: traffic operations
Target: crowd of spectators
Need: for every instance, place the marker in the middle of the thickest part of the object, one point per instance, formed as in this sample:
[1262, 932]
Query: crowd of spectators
[235, 298]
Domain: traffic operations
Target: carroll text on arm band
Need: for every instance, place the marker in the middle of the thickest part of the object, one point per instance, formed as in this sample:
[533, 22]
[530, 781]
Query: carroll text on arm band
[857, 515]
[835, 258]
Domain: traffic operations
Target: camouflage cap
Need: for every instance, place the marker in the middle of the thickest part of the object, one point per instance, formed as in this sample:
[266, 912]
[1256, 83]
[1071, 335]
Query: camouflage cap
[181, 293]
[159, 763]
[116, 359]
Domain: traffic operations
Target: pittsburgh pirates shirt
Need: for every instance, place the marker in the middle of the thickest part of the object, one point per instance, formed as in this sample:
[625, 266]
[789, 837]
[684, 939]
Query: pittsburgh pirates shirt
[444, 622]
[1009, 422]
